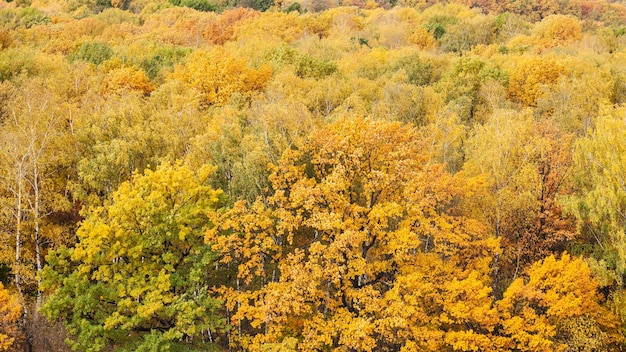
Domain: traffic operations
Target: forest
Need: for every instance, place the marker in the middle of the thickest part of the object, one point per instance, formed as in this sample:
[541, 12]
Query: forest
[322, 175]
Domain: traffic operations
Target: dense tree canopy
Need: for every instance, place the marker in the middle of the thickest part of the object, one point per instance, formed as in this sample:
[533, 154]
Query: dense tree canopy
[356, 215]
[277, 175]
[139, 277]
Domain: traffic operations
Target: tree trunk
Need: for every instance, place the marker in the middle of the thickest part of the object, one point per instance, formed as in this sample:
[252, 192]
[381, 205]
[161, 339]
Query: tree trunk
[36, 218]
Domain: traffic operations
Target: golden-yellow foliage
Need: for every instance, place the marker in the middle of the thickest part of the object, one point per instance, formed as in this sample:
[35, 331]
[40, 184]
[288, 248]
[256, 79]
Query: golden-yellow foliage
[126, 78]
[216, 76]
[10, 313]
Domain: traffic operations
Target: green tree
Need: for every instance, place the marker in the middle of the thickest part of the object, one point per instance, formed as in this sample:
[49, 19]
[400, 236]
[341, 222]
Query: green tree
[96, 52]
[139, 277]
[462, 86]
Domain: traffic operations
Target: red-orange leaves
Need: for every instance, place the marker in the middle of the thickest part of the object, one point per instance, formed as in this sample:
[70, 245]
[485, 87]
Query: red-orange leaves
[223, 29]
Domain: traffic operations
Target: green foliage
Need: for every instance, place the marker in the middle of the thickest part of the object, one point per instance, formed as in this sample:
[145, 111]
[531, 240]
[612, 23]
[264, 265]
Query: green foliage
[419, 71]
[86, 8]
[164, 58]
[310, 67]
[16, 61]
[29, 17]
[7, 16]
[437, 29]
[306, 66]
[262, 5]
[618, 32]
[94, 52]
[462, 85]
[438, 24]
[200, 5]
[282, 55]
[294, 6]
[344, 95]
[467, 34]
[508, 25]
[139, 277]
[26, 17]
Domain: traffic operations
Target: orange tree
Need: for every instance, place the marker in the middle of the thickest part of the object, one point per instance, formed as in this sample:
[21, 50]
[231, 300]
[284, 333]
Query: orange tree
[361, 246]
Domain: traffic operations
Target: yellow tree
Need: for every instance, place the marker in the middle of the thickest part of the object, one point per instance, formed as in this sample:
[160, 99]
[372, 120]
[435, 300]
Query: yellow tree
[557, 307]
[571, 102]
[599, 203]
[217, 75]
[558, 30]
[525, 163]
[358, 225]
[35, 167]
[35, 158]
[122, 79]
[528, 76]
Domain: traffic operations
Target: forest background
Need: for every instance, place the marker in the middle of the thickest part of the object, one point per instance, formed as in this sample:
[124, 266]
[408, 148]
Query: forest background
[407, 175]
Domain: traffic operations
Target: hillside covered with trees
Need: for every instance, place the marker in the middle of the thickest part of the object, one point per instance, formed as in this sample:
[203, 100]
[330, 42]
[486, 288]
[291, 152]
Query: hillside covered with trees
[349, 175]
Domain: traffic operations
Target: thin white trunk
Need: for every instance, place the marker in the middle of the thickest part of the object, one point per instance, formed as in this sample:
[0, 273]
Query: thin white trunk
[36, 215]
[18, 231]
[18, 236]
